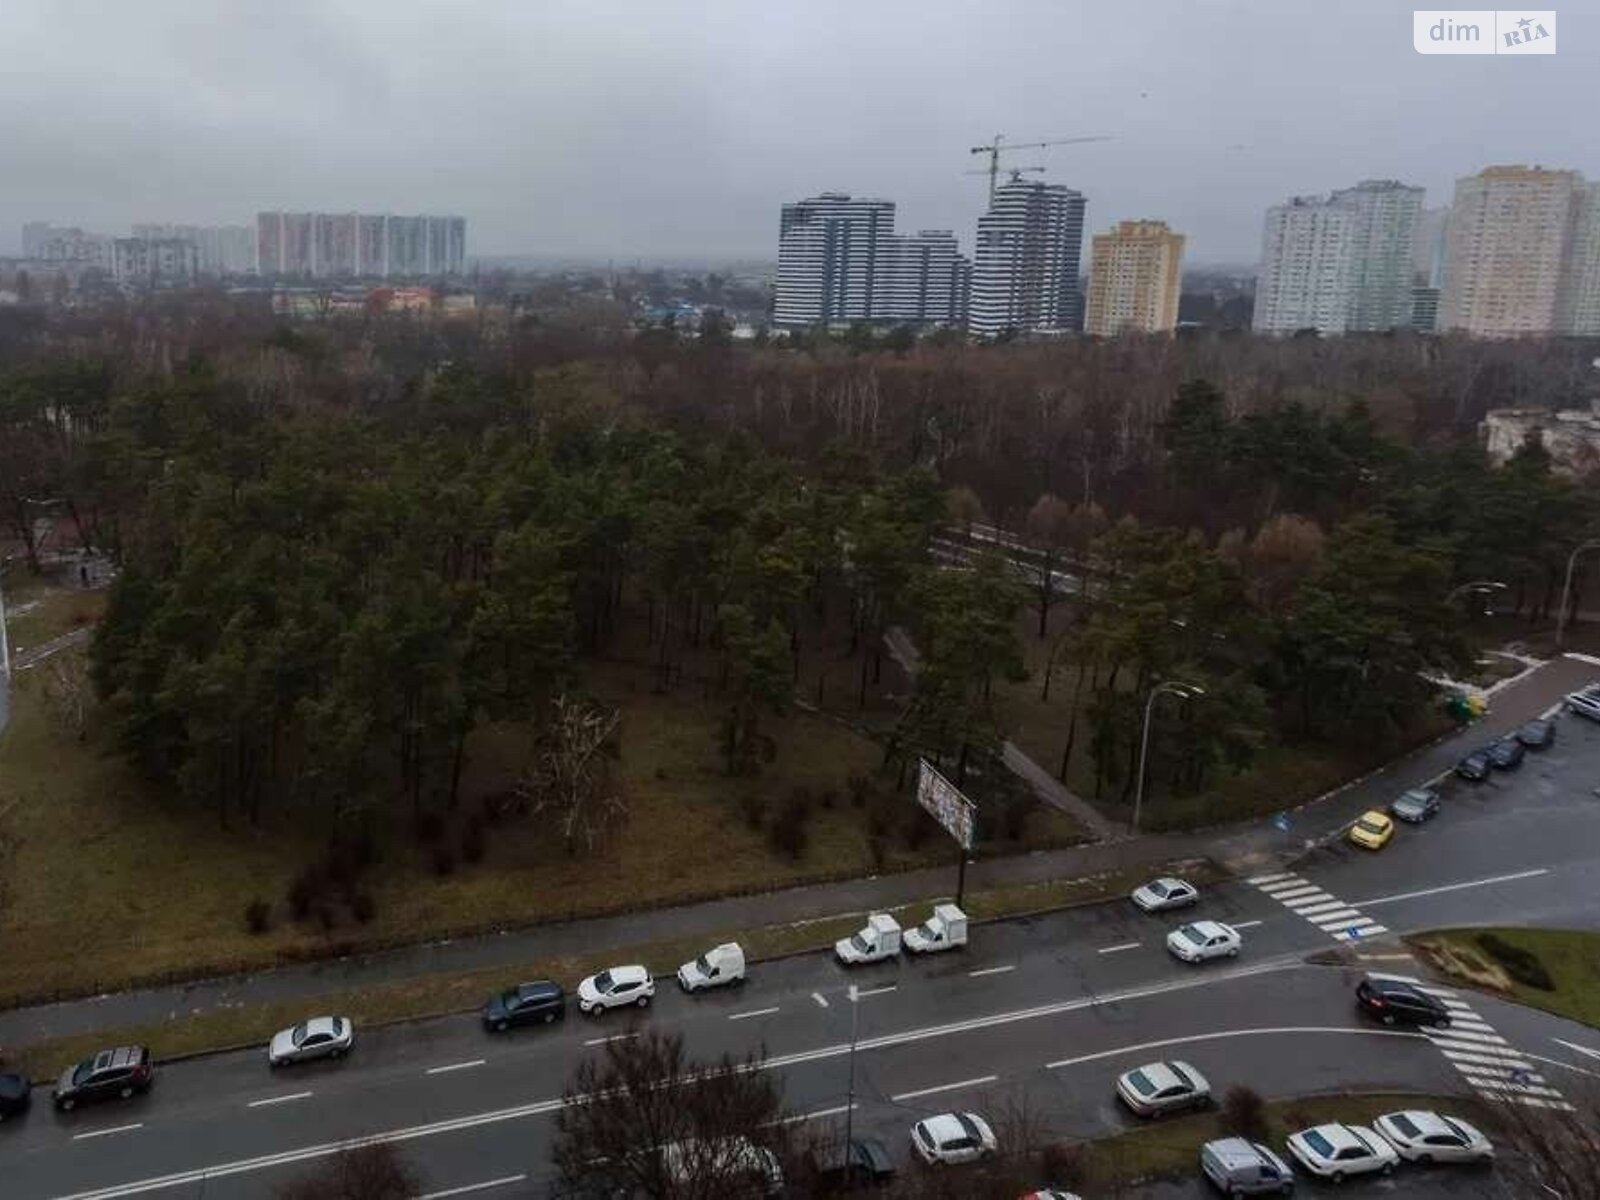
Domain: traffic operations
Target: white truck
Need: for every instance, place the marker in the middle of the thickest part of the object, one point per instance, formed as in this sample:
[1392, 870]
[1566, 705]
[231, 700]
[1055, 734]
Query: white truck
[945, 930]
[717, 967]
[880, 939]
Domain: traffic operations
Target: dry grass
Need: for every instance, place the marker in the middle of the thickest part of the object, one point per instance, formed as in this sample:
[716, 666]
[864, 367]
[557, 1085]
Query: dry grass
[1571, 956]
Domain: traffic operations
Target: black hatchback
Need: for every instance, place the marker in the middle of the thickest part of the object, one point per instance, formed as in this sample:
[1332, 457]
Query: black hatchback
[1394, 1001]
[111, 1074]
[866, 1164]
[1537, 733]
[526, 1004]
[15, 1093]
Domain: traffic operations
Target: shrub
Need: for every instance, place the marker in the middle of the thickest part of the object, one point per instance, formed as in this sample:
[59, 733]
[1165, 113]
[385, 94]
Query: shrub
[444, 862]
[800, 797]
[828, 797]
[472, 842]
[1521, 964]
[304, 891]
[1063, 1163]
[879, 849]
[1244, 1113]
[917, 829]
[858, 786]
[877, 822]
[1016, 817]
[258, 916]
[788, 833]
[327, 917]
[752, 809]
[363, 908]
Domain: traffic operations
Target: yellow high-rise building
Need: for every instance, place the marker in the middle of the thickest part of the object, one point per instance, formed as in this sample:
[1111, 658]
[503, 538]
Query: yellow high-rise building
[1134, 279]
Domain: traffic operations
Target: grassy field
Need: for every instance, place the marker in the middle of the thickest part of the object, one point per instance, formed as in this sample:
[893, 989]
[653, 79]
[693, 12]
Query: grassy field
[1570, 956]
[442, 993]
[145, 888]
[1282, 776]
[37, 613]
[1172, 1147]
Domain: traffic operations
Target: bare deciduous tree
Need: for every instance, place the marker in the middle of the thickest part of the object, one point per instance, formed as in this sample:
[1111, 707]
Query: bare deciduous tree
[64, 677]
[643, 1118]
[375, 1172]
[1548, 1151]
[571, 778]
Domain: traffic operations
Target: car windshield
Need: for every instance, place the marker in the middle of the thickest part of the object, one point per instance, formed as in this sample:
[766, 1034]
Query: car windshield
[703, 965]
[1415, 797]
[1193, 934]
[602, 981]
[297, 1034]
[1159, 889]
[968, 1127]
[1457, 1128]
[85, 1069]
[1370, 826]
[1318, 1144]
[859, 942]
[1140, 1082]
[510, 997]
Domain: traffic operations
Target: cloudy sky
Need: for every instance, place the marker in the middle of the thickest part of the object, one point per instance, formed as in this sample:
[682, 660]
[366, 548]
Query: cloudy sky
[665, 128]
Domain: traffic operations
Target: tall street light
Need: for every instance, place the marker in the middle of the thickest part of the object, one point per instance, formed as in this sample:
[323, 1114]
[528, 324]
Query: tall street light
[1169, 687]
[1566, 588]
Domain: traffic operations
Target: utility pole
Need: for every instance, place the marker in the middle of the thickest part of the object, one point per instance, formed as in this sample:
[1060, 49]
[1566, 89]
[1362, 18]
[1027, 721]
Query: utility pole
[850, 1088]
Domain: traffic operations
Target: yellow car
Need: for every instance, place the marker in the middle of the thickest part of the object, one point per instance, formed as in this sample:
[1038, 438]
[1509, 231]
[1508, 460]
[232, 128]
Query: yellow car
[1372, 831]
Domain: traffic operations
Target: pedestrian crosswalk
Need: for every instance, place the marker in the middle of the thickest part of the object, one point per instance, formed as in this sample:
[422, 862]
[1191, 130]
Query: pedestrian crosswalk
[1494, 1068]
[1329, 914]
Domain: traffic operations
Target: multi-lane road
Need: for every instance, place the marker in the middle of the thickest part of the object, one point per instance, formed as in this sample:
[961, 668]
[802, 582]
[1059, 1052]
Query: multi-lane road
[1049, 1009]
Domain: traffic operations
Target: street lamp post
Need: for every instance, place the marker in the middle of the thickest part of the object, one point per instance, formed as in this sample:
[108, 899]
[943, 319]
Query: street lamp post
[1169, 687]
[850, 1088]
[1566, 588]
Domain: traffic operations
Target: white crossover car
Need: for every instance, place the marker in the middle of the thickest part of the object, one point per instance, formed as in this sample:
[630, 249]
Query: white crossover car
[953, 1138]
[616, 988]
[1427, 1137]
[1201, 940]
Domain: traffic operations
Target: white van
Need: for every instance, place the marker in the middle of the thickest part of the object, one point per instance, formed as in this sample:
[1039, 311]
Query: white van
[1244, 1168]
[717, 967]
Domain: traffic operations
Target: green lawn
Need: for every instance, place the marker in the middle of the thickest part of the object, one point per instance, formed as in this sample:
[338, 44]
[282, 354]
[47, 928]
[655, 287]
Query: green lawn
[1571, 956]
[144, 887]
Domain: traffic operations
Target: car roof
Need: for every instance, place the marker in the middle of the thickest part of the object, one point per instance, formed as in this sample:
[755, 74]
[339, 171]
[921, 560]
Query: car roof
[324, 1024]
[1210, 928]
[538, 988]
[1235, 1151]
[122, 1056]
[1372, 814]
[1391, 986]
[1339, 1136]
[1426, 1122]
[947, 1126]
[12, 1085]
[632, 973]
[1169, 882]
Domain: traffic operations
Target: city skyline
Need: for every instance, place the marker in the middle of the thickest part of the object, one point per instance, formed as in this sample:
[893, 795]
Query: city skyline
[321, 107]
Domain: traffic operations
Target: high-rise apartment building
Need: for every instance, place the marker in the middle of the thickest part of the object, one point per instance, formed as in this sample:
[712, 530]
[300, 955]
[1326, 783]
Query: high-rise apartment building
[65, 244]
[840, 261]
[223, 249]
[1025, 271]
[1306, 256]
[360, 245]
[1509, 252]
[1135, 275]
[1580, 294]
[1383, 238]
[138, 261]
[1427, 248]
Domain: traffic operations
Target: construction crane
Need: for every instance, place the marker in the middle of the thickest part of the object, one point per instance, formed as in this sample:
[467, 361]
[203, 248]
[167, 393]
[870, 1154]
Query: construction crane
[1016, 173]
[1000, 146]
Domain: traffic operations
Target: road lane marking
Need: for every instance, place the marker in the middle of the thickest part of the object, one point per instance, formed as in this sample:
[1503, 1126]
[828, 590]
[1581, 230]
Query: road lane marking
[877, 991]
[1454, 887]
[754, 1012]
[460, 1066]
[503, 1181]
[1578, 1048]
[94, 1133]
[818, 1115]
[546, 1107]
[1247, 924]
[1226, 1033]
[944, 1087]
[280, 1099]
[820, 999]
[616, 1037]
[1473, 1036]
[1118, 948]
[989, 971]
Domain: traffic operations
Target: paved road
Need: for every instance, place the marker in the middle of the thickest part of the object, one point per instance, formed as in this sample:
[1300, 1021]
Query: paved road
[1058, 1005]
[1253, 847]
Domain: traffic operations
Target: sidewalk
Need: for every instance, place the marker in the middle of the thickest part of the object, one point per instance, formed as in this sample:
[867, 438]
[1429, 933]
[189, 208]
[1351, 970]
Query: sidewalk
[1245, 848]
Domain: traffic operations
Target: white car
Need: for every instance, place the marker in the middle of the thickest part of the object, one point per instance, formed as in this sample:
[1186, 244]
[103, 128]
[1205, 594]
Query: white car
[1161, 894]
[1585, 701]
[1426, 1137]
[616, 988]
[320, 1037]
[1159, 1088]
[1200, 940]
[1338, 1151]
[953, 1138]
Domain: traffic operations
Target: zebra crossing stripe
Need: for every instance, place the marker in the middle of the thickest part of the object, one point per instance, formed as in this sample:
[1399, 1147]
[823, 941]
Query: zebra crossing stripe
[1515, 1089]
[1514, 1074]
[1500, 1051]
[1321, 908]
[1301, 894]
[1471, 1036]
[1259, 880]
[1466, 1061]
[1536, 1102]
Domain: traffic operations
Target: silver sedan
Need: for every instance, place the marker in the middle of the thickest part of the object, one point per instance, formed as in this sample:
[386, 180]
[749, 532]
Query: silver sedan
[320, 1037]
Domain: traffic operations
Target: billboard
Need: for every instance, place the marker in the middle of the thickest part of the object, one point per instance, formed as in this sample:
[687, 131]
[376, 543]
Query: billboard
[947, 805]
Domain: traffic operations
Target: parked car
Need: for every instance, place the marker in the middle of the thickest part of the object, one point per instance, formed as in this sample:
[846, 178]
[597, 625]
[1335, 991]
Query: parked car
[1393, 1001]
[1336, 1151]
[119, 1074]
[1201, 940]
[16, 1093]
[1537, 733]
[1372, 830]
[1159, 895]
[1159, 1088]
[953, 1138]
[1415, 805]
[736, 1163]
[1427, 1137]
[1474, 767]
[320, 1037]
[616, 988]
[864, 1163]
[1586, 701]
[539, 1003]
[1506, 754]
[1240, 1167]
[719, 966]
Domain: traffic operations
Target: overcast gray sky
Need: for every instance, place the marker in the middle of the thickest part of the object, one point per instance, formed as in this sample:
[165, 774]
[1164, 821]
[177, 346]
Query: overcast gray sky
[670, 128]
